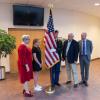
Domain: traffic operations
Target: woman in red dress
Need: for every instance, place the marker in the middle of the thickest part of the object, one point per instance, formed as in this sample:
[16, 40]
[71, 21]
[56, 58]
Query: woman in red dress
[25, 64]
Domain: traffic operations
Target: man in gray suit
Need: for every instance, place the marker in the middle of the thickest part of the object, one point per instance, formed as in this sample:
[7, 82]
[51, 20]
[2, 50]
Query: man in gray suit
[85, 51]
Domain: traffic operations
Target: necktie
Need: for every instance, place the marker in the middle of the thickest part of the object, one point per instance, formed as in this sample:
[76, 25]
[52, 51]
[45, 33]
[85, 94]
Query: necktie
[83, 47]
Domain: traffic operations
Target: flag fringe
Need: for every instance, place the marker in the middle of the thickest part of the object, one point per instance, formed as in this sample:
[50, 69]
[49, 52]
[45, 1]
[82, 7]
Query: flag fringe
[53, 64]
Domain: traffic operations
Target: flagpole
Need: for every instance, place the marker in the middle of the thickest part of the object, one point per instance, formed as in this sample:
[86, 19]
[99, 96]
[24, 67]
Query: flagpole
[50, 89]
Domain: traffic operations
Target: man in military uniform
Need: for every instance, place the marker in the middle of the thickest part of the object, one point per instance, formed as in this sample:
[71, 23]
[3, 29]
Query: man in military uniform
[56, 67]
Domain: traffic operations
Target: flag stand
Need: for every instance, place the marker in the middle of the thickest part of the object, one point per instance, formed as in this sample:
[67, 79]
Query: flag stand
[50, 89]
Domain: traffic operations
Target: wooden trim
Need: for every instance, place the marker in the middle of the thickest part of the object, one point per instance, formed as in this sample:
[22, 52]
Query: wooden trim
[25, 29]
[95, 59]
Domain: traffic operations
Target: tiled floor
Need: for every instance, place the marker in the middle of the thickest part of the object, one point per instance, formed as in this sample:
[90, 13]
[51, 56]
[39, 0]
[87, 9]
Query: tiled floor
[11, 89]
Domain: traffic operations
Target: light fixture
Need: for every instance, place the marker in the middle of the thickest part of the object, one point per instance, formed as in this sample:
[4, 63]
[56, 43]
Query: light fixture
[96, 4]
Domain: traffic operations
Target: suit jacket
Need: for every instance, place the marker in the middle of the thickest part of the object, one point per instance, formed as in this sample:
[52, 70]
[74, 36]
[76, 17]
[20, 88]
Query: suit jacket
[89, 48]
[73, 51]
[59, 47]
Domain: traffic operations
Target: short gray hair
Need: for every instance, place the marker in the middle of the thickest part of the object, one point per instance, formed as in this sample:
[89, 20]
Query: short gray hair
[84, 33]
[24, 37]
[72, 34]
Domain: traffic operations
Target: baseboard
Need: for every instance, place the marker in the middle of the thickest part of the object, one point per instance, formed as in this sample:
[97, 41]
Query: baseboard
[95, 59]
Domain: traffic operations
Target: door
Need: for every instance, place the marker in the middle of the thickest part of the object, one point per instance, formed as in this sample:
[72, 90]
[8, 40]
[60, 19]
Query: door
[17, 33]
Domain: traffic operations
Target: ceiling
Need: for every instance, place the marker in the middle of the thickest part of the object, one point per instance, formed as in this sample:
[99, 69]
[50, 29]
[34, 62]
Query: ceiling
[86, 6]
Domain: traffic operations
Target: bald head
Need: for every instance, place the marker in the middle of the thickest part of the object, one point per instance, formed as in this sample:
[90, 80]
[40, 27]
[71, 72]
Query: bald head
[70, 36]
[83, 35]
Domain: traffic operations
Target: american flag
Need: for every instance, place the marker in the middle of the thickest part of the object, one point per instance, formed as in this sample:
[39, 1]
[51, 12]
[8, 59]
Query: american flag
[51, 55]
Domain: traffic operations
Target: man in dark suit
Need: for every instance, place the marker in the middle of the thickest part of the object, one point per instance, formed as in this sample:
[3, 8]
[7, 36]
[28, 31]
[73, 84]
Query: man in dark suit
[85, 51]
[56, 68]
[70, 55]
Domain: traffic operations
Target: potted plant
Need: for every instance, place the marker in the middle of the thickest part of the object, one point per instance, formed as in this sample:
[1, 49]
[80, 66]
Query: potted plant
[7, 44]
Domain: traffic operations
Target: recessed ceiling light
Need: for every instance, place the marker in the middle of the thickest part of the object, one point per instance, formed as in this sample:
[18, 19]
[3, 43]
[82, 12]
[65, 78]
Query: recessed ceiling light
[96, 4]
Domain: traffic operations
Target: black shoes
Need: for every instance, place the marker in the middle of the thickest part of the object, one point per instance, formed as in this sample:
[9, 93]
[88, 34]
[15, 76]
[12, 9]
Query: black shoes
[58, 84]
[75, 85]
[84, 83]
[68, 82]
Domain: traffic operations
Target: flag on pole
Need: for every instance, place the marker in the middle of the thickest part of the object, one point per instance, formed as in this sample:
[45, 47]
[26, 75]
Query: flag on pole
[51, 55]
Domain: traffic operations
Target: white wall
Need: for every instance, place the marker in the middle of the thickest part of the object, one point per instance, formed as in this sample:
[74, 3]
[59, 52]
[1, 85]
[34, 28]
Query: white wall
[70, 21]
[65, 21]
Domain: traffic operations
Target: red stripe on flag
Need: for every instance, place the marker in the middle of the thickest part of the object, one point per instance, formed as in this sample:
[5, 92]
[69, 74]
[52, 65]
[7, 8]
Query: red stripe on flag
[50, 55]
[51, 40]
[48, 60]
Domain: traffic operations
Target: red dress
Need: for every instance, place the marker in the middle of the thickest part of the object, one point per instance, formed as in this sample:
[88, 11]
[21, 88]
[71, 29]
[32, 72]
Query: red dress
[24, 57]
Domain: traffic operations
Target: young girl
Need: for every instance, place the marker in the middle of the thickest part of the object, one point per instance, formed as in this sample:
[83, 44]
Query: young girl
[37, 63]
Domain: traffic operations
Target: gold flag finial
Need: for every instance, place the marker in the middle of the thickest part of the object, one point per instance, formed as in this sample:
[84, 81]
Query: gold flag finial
[50, 5]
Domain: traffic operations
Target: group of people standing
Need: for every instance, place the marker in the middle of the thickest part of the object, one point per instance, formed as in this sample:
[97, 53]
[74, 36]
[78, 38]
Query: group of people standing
[30, 63]
[70, 51]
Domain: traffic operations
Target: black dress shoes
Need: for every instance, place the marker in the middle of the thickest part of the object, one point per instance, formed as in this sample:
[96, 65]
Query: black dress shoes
[82, 82]
[68, 82]
[86, 84]
[75, 85]
[58, 84]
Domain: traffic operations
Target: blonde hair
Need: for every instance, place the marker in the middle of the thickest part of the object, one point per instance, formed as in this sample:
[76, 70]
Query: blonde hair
[35, 41]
